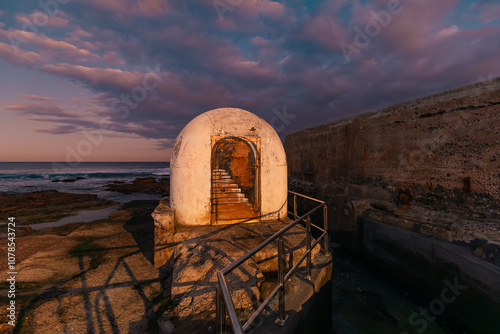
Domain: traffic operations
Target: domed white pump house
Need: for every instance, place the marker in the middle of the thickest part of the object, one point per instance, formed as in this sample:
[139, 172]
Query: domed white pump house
[227, 165]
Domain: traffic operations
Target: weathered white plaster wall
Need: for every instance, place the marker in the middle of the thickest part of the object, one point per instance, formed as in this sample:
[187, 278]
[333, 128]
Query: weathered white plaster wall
[191, 164]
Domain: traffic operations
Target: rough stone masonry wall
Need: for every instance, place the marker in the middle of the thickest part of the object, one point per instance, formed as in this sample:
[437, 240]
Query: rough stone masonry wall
[431, 165]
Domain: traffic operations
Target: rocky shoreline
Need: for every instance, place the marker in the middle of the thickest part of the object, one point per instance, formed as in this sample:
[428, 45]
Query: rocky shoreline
[142, 184]
[47, 206]
[71, 276]
[52, 205]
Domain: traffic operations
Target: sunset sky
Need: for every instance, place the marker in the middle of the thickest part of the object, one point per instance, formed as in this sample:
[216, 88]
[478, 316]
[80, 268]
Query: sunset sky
[116, 80]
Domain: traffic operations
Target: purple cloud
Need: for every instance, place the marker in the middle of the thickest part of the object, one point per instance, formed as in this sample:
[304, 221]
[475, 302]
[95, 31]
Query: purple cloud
[58, 130]
[263, 55]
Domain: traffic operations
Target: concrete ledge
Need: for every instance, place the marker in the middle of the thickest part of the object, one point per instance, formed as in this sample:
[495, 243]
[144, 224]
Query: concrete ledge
[428, 260]
[164, 234]
[308, 303]
[203, 251]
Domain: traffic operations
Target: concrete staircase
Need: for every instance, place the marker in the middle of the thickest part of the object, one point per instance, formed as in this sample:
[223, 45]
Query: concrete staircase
[228, 200]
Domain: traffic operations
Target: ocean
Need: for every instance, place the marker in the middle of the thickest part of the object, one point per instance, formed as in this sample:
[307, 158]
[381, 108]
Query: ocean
[84, 178]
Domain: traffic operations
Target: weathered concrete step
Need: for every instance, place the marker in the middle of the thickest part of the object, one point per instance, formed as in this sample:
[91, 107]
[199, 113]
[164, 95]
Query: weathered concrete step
[225, 185]
[218, 190]
[229, 200]
[235, 211]
[220, 173]
[235, 215]
[227, 179]
[234, 206]
[228, 195]
[221, 177]
[224, 181]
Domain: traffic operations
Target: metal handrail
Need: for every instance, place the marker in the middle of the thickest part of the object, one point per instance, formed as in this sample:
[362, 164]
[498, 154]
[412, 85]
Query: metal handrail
[224, 300]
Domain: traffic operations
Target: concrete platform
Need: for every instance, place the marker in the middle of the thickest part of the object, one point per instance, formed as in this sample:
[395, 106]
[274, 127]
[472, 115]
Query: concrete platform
[200, 252]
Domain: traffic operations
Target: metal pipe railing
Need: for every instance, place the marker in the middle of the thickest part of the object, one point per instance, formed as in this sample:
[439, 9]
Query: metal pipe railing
[304, 196]
[308, 247]
[281, 280]
[224, 300]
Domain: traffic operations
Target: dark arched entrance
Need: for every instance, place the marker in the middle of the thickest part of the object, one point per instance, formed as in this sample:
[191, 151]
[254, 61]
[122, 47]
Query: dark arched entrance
[235, 179]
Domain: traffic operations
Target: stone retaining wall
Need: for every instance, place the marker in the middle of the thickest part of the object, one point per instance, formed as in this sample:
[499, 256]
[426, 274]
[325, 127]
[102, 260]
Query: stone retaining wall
[430, 166]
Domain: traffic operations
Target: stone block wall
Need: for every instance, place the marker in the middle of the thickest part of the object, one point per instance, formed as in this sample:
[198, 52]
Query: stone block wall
[431, 166]
[451, 140]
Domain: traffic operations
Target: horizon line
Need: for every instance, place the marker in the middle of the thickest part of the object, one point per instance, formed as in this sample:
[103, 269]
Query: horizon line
[82, 162]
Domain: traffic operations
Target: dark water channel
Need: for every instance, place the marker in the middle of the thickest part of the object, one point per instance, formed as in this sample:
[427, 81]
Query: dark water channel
[364, 300]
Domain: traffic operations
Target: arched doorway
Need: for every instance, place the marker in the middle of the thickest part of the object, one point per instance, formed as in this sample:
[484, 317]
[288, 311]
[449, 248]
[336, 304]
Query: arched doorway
[235, 179]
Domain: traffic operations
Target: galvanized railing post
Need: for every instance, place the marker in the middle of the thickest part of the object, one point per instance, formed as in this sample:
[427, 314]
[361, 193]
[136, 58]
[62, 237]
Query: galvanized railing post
[325, 227]
[308, 247]
[281, 281]
[221, 314]
[295, 207]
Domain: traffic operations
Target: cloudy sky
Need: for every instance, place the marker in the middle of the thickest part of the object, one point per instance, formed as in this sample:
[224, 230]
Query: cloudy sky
[116, 80]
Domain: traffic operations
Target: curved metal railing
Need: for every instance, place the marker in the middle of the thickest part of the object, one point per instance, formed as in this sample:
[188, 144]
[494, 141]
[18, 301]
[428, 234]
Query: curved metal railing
[224, 300]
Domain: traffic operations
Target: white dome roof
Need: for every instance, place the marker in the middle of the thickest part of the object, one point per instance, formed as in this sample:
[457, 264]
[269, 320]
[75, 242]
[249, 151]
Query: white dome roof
[191, 164]
[224, 122]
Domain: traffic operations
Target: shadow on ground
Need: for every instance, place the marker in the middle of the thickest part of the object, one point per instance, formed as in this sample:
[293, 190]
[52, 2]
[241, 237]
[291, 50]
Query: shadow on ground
[141, 226]
[116, 289]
